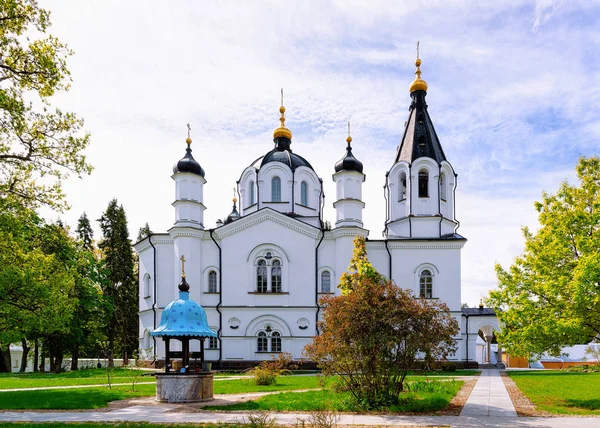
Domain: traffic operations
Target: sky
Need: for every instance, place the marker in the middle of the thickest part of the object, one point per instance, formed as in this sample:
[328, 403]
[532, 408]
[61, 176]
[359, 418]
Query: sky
[513, 95]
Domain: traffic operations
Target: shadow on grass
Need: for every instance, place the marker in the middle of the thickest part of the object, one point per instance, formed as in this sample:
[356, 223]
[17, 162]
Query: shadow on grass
[593, 404]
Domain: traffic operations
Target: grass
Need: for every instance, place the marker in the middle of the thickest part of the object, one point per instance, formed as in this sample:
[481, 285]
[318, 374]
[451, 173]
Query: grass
[284, 383]
[108, 425]
[430, 397]
[71, 378]
[561, 392]
[85, 398]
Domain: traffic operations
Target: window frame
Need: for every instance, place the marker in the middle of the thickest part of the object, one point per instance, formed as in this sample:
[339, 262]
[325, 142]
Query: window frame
[323, 282]
[402, 186]
[213, 287]
[273, 272]
[276, 189]
[269, 340]
[423, 189]
[425, 282]
[146, 283]
[251, 193]
[304, 193]
[443, 187]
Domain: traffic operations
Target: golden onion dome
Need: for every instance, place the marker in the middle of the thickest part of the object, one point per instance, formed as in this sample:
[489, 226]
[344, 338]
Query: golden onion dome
[418, 84]
[281, 130]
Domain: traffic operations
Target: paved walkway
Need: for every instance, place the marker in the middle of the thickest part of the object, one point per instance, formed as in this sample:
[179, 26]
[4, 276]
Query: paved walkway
[490, 397]
[488, 406]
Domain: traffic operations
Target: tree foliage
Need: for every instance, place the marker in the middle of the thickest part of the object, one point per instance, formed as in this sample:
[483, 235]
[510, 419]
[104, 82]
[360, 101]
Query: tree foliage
[121, 287]
[85, 232]
[372, 334]
[36, 141]
[550, 296]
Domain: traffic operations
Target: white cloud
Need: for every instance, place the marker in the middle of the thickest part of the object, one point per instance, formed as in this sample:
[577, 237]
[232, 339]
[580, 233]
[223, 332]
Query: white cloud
[513, 107]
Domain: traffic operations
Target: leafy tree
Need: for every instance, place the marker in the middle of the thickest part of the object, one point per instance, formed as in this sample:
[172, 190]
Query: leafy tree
[121, 287]
[34, 140]
[374, 332]
[144, 232]
[85, 232]
[550, 296]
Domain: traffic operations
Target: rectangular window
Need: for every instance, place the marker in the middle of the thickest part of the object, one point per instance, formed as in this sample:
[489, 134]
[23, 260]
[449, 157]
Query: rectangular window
[213, 343]
[276, 344]
[262, 344]
[212, 282]
[423, 185]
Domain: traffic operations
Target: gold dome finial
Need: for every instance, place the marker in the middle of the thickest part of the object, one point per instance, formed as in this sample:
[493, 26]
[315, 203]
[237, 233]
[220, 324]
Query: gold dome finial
[188, 140]
[349, 139]
[418, 84]
[234, 198]
[281, 130]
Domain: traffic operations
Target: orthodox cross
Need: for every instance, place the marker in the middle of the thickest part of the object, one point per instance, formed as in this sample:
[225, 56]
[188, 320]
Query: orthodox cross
[281, 96]
[189, 129]
[417, 49]
[348, 128]
[182, 258]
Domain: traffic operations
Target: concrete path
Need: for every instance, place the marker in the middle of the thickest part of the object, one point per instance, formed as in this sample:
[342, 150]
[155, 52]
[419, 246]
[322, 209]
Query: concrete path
[490, 397]
[488, 406]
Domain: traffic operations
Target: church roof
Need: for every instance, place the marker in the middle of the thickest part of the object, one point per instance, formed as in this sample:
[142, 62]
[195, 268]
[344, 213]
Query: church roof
[349, 162]
[419, 139]
[188, 163]
[282, 153]
[183, 317]
[478, 311]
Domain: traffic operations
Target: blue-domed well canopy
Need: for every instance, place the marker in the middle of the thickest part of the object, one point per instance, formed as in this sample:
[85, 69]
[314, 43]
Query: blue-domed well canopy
[183, 319]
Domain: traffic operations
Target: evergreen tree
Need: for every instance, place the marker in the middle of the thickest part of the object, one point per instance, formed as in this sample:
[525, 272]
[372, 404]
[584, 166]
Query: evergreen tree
[85, 232]
[121, 286]
[144, 232]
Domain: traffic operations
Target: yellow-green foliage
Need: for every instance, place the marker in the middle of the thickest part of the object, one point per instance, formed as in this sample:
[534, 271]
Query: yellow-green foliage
[360, 270]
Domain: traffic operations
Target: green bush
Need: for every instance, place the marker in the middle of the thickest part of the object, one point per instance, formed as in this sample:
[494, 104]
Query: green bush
[264, 377]
[448, 367]
[285, 372]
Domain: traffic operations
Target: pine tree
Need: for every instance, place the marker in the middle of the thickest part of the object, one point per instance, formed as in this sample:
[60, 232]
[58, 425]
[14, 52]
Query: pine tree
[121, 289]
[144, 232]
[85, 232]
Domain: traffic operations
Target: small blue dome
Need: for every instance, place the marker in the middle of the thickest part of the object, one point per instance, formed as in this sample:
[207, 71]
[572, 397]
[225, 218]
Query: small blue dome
[183, 317]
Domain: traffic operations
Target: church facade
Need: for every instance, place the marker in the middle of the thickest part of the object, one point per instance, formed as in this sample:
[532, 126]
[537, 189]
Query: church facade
[259, 274]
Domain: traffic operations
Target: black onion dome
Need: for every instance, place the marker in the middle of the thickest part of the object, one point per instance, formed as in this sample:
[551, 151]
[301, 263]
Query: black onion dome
[349, 162]
[188, 164]
[282, 153]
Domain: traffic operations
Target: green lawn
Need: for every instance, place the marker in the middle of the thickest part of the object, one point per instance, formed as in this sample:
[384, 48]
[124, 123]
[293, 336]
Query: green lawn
[433, 397]
[237, 386]
[108, 425]
[80, 398]
[71, 378]
[561, 392]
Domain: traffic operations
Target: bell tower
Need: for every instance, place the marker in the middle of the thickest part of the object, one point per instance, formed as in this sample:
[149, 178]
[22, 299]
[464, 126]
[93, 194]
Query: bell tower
[420, 185]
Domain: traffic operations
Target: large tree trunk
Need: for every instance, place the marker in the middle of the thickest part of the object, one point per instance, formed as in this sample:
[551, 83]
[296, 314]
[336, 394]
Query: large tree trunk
[24, 356]
[36, 354]
[43, 363]
[52, 362]
[58, 360]
[4, 360]
[75, 358]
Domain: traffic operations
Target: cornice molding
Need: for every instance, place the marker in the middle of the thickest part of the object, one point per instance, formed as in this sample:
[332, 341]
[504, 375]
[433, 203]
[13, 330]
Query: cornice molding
[266, 214]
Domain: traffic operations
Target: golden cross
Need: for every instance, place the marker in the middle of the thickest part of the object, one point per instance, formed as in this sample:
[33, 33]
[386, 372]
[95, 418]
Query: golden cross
[182, 258]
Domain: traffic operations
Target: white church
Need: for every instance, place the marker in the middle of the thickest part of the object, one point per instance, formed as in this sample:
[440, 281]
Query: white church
[259, 274]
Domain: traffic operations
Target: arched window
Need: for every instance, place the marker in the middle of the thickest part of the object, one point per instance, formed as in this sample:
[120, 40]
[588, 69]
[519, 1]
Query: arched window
[325, 282]
[147, 285]
[262, 342]
[275, 342]
[304, 193]
[276, 276]
[276, 189]
[402, 186]
[212, 281]
[443, 186]
[261, 276]
[426, 284]
[251, 192]
[269, 274]
[423, 184]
